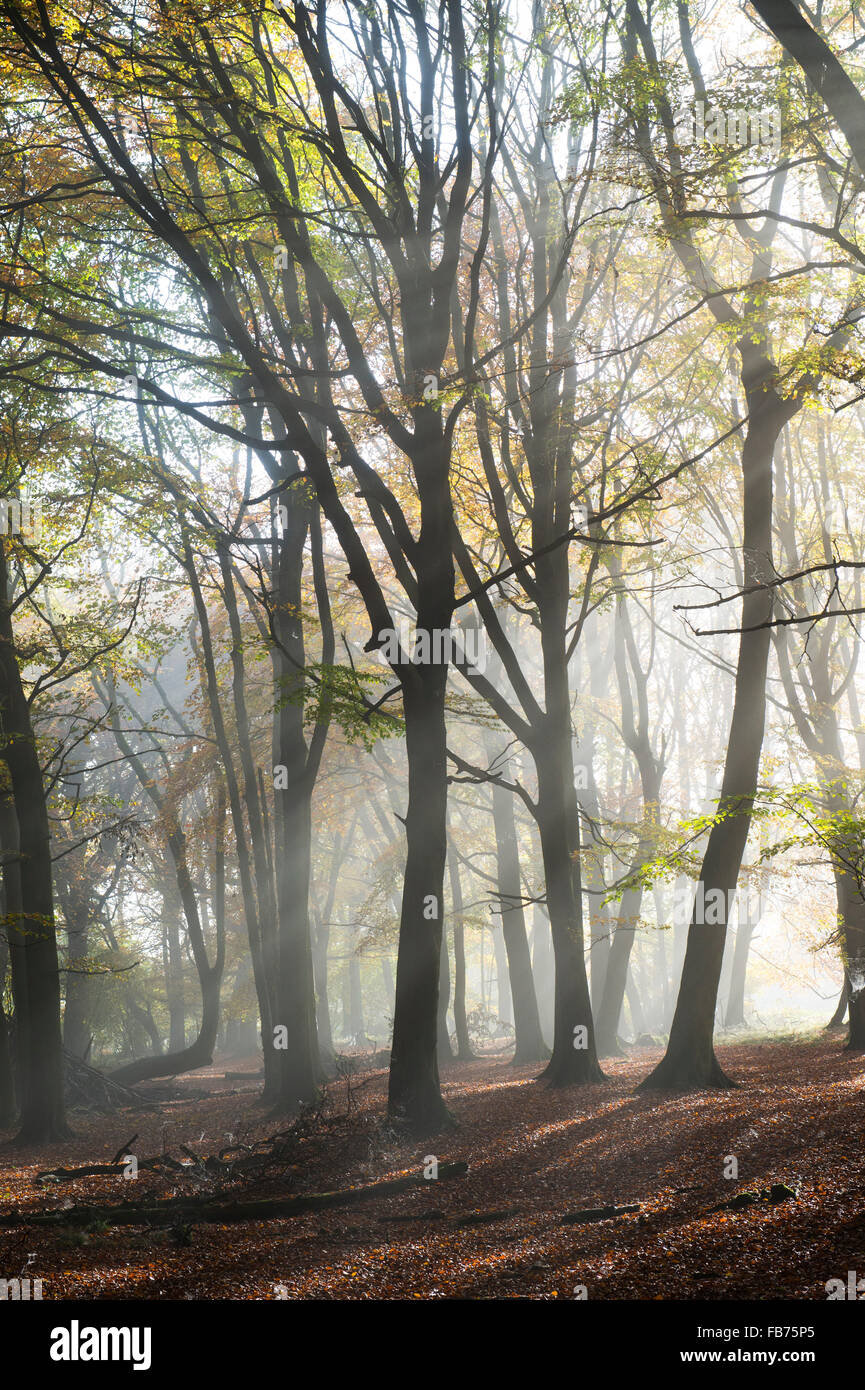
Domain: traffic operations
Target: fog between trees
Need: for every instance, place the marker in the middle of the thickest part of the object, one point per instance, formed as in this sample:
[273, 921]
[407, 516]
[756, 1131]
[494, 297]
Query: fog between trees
[438, 631]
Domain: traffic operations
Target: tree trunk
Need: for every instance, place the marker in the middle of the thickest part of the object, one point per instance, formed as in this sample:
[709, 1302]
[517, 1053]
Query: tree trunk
[853, 927]
[7, 1077]
[39, 1033]
[574, 1058]
[298, 1064]
[837, 1018]
[13, 942]
[172, 961]
[357, 1031]
[199, 1053]
[680, 942]
[322, 1002]
[735, 1015]
[635, 729]
[414, 1096]
[145, 1020]
[635, 1004]
[662, 973]
[616, 978]
[821, 733]
[529, 1042]
[825, 73]
[690, 1060]
[600, 917]
[255, 855]
[387, 982]
[256, 892]
[543, 969]
[464, 1046]
[445, 1051]
[504, 1012]
[76, 1009]
[724, 982]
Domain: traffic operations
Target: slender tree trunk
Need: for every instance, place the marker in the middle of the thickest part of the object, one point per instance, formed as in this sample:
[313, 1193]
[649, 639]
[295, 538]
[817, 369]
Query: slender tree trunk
[445, 1051]
[600, 916]
[616, 979]
[849, 867]
[200, 1052]
[14, 938]
[298, 1064]
[464, 1046]
[529, 1042]
[821, 733]
[837, 1019]
[680, 942]
[7, 1080]
[76, 1033]
[173, 966]
[7, 1077]
[543, 969]
[260, 928]
[144, 1018]
[387, 982]
[259, 893]
[735, 1015]
[848, 863]
[504, 1011]
[322, 1002]
[574, 1058]
[662, 973]
[43, 1118]
[635, 728]
[690, 1060]
[355, 1001]
[414, 1095]
[635, 1004]
[853, 928]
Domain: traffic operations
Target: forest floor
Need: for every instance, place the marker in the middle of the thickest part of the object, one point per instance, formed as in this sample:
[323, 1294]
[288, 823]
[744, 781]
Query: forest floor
[534, 1155]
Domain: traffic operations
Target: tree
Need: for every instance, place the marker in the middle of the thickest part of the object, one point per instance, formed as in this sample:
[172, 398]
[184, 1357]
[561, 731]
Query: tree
[635, 731]
[396, 183]
[32, 927]
[690, 1059]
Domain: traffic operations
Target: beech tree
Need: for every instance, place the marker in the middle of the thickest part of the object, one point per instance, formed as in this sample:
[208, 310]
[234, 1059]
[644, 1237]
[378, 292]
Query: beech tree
[276, 142]
[355, 328]
[690, 1058]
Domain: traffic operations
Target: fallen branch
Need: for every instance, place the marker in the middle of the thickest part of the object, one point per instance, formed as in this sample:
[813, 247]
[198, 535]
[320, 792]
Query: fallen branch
[124, 1149]
[90, 1089]
[206, 1209]
[596, 1214]
[95, 1170]
[259, 1157]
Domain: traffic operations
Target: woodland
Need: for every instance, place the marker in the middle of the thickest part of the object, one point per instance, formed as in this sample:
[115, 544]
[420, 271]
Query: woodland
[432, 721]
